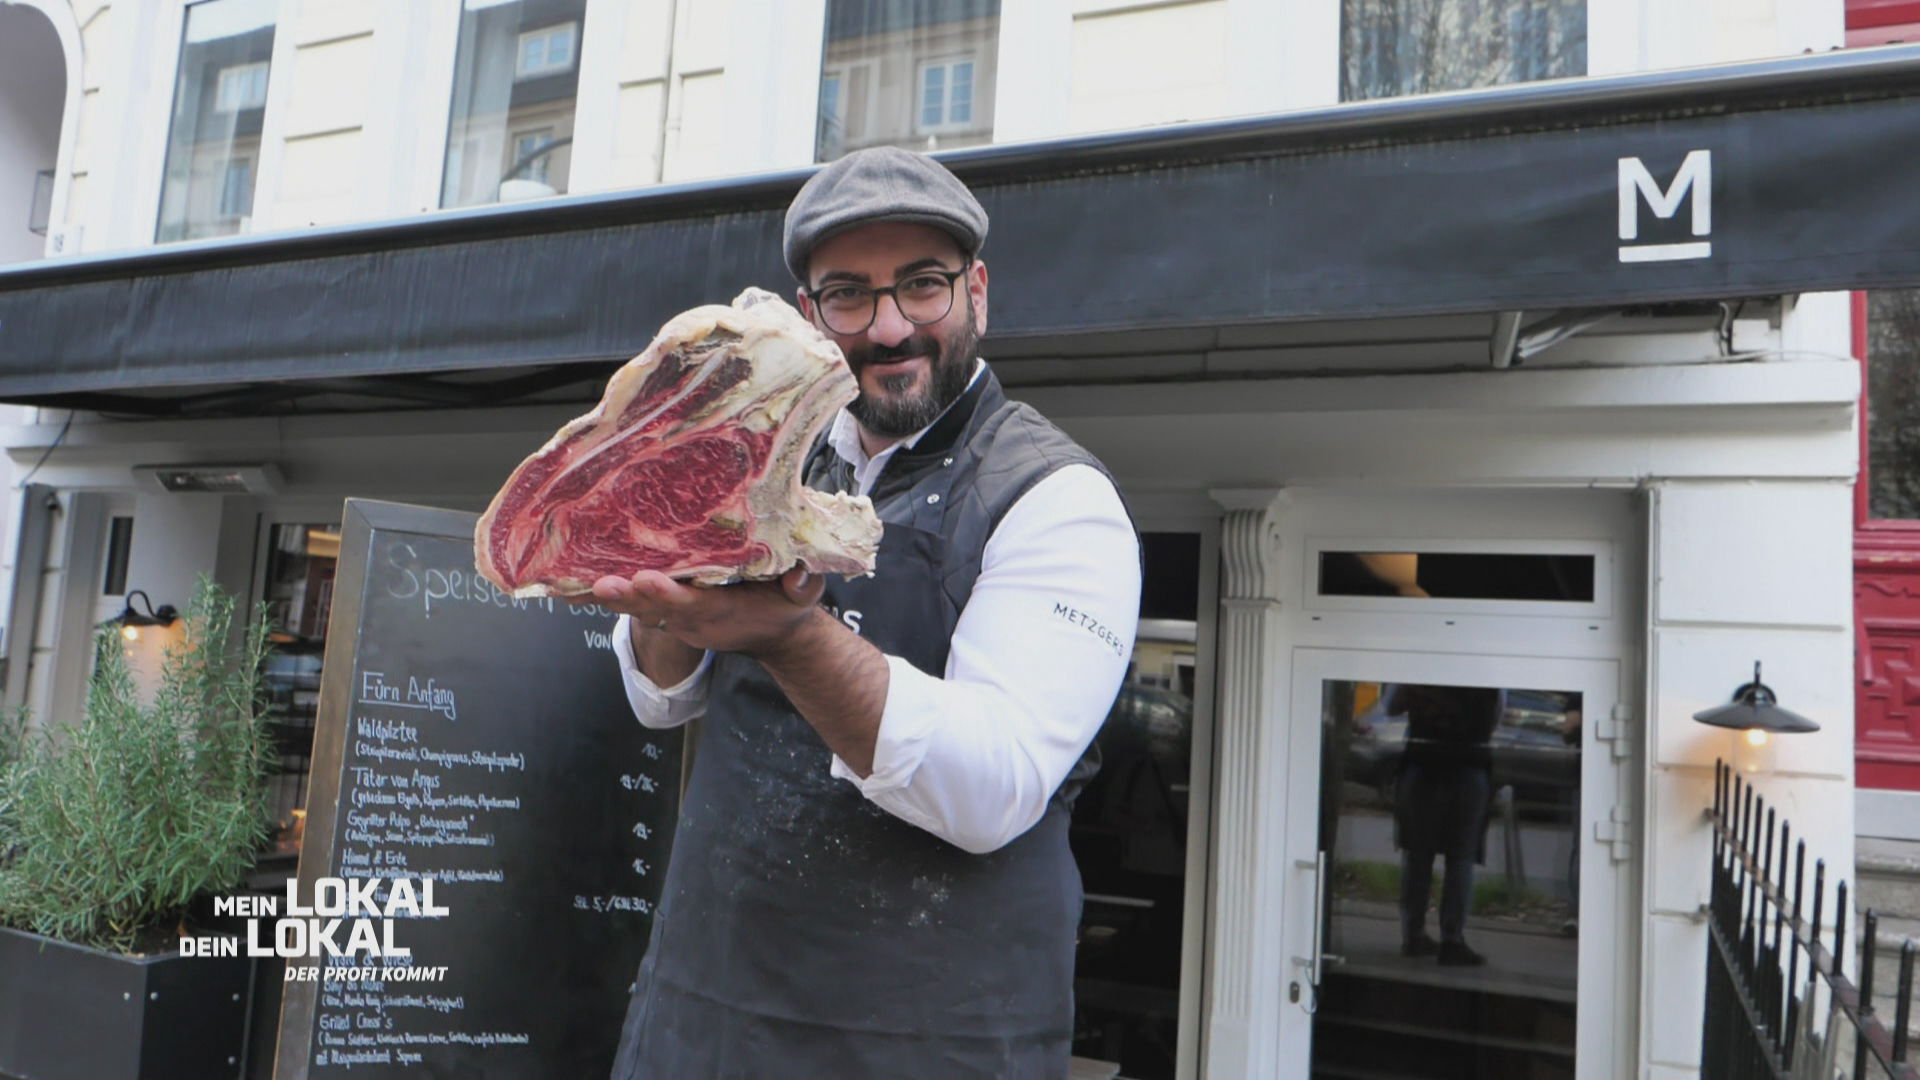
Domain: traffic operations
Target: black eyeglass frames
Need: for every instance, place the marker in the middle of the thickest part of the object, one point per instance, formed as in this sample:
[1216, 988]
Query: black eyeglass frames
[923, 297]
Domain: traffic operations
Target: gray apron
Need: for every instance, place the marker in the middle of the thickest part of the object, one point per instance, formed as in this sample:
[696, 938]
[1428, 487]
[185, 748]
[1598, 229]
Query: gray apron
[803, 931]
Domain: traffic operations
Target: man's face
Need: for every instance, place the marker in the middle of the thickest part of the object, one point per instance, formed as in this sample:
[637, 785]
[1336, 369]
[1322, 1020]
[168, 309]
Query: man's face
[908, 374]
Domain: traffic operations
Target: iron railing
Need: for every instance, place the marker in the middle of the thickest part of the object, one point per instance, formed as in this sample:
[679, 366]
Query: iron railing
[1779, 1006]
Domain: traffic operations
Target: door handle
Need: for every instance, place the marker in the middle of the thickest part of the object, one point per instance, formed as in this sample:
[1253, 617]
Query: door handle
[1315, 962]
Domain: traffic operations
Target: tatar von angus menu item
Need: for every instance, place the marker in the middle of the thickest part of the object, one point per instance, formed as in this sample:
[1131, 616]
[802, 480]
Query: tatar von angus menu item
[691, 465]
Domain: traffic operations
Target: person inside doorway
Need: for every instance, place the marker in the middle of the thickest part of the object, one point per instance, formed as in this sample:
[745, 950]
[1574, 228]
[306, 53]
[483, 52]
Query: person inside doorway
[872, 874]
[1440, 809]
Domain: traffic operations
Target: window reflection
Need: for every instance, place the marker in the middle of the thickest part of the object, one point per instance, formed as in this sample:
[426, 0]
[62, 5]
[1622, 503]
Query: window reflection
[516, 78]
[1129, 835]
[299, 599]
[911, 73]
[1448, 821]
[219, 102]
[1448, 575]
[1893, 403]
[1389, 48]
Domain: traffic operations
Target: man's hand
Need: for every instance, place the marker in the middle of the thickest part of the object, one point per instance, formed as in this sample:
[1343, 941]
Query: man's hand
[753, 617]
[837, 681]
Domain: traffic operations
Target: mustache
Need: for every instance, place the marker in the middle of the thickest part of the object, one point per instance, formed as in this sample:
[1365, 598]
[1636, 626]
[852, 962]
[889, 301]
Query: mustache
[881, 354]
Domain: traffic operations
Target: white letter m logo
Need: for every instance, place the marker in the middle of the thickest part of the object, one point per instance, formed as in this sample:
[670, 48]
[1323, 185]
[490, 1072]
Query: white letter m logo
[1694, 177]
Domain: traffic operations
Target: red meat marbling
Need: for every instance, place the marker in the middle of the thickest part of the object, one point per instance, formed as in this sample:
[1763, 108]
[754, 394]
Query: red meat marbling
[689, 465]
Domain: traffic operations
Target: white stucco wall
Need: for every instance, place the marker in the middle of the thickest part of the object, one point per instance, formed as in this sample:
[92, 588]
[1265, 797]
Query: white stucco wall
[1743, 571]
[33, 95]
[675, 90]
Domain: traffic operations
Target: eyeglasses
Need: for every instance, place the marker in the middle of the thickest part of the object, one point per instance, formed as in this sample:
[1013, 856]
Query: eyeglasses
[924, 297]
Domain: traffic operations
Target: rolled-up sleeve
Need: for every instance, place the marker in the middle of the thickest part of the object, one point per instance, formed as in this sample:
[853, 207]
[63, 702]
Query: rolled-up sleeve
[657, 707]
[1036, 661]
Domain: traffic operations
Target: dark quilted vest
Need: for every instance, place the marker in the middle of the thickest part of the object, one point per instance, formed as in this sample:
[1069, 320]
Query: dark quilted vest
[990, 450]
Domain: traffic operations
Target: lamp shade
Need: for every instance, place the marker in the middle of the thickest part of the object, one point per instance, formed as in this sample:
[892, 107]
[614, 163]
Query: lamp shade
[164, 615]
[1754, 708]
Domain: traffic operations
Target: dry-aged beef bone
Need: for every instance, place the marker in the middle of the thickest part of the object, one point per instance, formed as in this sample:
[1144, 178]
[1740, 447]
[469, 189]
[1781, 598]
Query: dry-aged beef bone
[689, 465]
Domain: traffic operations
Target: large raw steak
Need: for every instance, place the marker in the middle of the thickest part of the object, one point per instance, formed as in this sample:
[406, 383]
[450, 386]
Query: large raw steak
[689, 465]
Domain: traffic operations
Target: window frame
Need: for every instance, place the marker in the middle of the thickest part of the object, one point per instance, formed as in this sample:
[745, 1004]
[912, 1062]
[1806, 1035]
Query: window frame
[1893, 529]
[1600, 607]
[226, 186]
[255, 519]
[946, 126]
[263, 69]
[521, 73]
[1152, 515]
[538, 168]
[465, 145]
[1377, 17]
[848, 101]
[155, 114]
[839, 110]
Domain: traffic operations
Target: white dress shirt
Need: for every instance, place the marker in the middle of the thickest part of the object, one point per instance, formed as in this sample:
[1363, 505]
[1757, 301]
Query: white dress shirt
[1036, 659]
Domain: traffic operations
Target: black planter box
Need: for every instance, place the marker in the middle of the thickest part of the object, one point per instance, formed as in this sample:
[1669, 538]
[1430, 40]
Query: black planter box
[73, 1013]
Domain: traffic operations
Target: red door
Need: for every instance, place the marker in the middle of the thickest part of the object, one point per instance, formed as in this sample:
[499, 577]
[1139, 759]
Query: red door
[1886, 549]
[1886, 546]
[1882, 22]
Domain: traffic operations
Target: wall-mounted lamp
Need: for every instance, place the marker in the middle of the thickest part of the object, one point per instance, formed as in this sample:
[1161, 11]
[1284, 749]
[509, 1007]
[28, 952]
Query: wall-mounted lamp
[1756, 713]
[131, 621]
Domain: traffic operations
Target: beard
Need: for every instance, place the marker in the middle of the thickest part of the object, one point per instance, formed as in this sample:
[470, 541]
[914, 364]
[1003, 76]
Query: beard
[898, 410]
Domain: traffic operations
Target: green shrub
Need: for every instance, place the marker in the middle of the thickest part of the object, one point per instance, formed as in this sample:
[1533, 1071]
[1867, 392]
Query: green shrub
[116, 826]
[13, 736]
[14, 740]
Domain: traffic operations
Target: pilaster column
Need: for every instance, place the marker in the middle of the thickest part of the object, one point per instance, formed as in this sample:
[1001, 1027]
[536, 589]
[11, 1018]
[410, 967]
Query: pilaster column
[1250, 795]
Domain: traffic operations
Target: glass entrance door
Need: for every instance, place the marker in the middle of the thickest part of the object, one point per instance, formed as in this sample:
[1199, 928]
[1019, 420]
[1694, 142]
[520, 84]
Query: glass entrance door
[1451, 911]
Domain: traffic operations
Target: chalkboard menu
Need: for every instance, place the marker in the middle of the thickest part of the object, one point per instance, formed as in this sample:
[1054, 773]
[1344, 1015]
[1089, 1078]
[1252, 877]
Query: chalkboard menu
[485, 743]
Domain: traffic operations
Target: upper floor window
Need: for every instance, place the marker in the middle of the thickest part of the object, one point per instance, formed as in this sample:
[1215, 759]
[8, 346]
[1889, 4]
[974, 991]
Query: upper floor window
[219, 103]
[912, 73]
[531, 148]
[1393, 47]
[236, 189]
[946, 96]
[547, 51]
[1893, 403]
[242, 87]
[516, 79]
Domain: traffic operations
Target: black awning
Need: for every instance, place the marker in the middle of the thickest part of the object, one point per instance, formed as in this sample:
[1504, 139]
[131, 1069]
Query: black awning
[1740, 181]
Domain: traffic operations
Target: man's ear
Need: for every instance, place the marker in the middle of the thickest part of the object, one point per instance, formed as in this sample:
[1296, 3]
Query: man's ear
[803, 302]
[977, 288]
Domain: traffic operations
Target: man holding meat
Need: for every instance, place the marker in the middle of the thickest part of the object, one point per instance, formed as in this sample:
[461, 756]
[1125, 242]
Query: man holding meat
[871, 877]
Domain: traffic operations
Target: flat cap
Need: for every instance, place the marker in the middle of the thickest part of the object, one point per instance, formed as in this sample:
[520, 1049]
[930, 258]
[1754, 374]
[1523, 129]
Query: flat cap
[881, 183]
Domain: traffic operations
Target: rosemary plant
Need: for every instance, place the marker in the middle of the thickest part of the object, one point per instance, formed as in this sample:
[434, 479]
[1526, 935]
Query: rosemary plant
[116, 826]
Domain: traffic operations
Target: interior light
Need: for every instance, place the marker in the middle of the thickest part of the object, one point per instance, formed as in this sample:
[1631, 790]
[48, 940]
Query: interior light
[1757, 737]
[131, 633]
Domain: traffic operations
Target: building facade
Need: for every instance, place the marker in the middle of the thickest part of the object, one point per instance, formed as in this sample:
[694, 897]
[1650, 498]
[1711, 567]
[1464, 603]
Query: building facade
[1607, 512]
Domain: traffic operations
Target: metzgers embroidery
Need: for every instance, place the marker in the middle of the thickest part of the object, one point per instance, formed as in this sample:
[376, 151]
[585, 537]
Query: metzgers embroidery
[1092, 625]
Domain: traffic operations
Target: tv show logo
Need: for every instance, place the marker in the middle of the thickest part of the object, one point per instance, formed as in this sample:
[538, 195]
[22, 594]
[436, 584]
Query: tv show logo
[315, 928]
